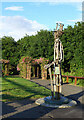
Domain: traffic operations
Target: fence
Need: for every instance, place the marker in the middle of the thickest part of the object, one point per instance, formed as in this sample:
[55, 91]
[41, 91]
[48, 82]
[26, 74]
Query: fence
[75, 77]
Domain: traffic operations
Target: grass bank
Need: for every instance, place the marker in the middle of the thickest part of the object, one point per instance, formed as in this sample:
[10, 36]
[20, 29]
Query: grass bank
[16, 88]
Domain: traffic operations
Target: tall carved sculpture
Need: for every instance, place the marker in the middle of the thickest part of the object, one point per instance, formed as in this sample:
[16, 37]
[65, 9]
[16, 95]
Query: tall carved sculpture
[56, 100]
[58, 57]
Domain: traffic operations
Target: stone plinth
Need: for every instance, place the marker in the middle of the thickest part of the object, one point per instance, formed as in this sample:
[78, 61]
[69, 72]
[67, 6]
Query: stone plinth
[62, 103]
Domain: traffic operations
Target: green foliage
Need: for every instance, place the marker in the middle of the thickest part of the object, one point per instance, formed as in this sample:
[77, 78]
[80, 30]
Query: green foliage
[10, 52]
[41, 45]
[9, 49]
[73, 49]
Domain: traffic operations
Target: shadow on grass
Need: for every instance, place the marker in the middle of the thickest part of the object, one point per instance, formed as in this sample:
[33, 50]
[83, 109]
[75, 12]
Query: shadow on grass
[31, 90]
[6, 97]
[8, 89]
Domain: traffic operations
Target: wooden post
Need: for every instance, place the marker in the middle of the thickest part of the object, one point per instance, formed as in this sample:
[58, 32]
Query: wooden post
[24, 70]
[6, 69]
[44, 74]
[37, 71]
[28, 71]
[67, 79]
[52, 89]
[34, 71]
[75, 80]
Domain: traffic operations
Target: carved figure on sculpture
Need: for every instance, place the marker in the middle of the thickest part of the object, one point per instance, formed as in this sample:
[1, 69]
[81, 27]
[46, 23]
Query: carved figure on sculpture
[58, 57]
[56, 100]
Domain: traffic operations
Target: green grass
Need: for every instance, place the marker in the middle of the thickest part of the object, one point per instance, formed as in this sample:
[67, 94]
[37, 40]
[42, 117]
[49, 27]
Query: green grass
[15, 88]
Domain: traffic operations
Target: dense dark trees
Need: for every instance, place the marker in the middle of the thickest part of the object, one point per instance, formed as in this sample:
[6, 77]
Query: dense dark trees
[72, 40]
[41, 45]
[9, 49]
[9, 52]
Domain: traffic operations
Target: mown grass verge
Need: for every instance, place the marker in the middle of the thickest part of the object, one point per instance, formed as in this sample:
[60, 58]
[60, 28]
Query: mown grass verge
[16, 88]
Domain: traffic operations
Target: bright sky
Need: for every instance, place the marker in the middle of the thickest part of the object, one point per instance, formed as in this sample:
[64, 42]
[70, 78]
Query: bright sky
[20, 18]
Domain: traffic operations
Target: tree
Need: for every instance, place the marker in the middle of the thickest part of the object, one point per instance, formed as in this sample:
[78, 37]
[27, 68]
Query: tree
[40, 45]
[9, 51]
[72, 42]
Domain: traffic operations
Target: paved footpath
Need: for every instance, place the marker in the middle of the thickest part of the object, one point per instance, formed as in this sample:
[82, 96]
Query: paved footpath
[28, 109]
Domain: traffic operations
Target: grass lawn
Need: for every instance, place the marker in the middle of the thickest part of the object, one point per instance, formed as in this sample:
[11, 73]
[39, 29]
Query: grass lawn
[16, 88]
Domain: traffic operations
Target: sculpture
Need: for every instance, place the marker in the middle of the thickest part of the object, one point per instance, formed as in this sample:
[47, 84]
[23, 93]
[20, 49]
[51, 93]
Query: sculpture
[56, 100]
[58, 57]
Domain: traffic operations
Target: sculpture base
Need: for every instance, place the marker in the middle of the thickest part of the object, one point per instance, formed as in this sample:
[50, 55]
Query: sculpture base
[63, 102]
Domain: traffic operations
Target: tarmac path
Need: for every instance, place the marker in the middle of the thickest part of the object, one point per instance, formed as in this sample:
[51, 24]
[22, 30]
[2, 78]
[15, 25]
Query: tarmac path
[27, 109]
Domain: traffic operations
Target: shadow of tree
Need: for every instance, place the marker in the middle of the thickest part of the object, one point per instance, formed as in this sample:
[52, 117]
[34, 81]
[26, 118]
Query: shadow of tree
[25, 88]
[13, 98]
[76, 96]
[7, 108]
[35, 112]
[40, 112]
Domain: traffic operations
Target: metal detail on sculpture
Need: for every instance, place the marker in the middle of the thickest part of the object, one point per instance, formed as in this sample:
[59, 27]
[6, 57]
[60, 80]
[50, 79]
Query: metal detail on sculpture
[58, 57]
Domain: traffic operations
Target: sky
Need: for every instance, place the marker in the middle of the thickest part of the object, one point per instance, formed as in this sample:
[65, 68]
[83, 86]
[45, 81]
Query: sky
[19, 18]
